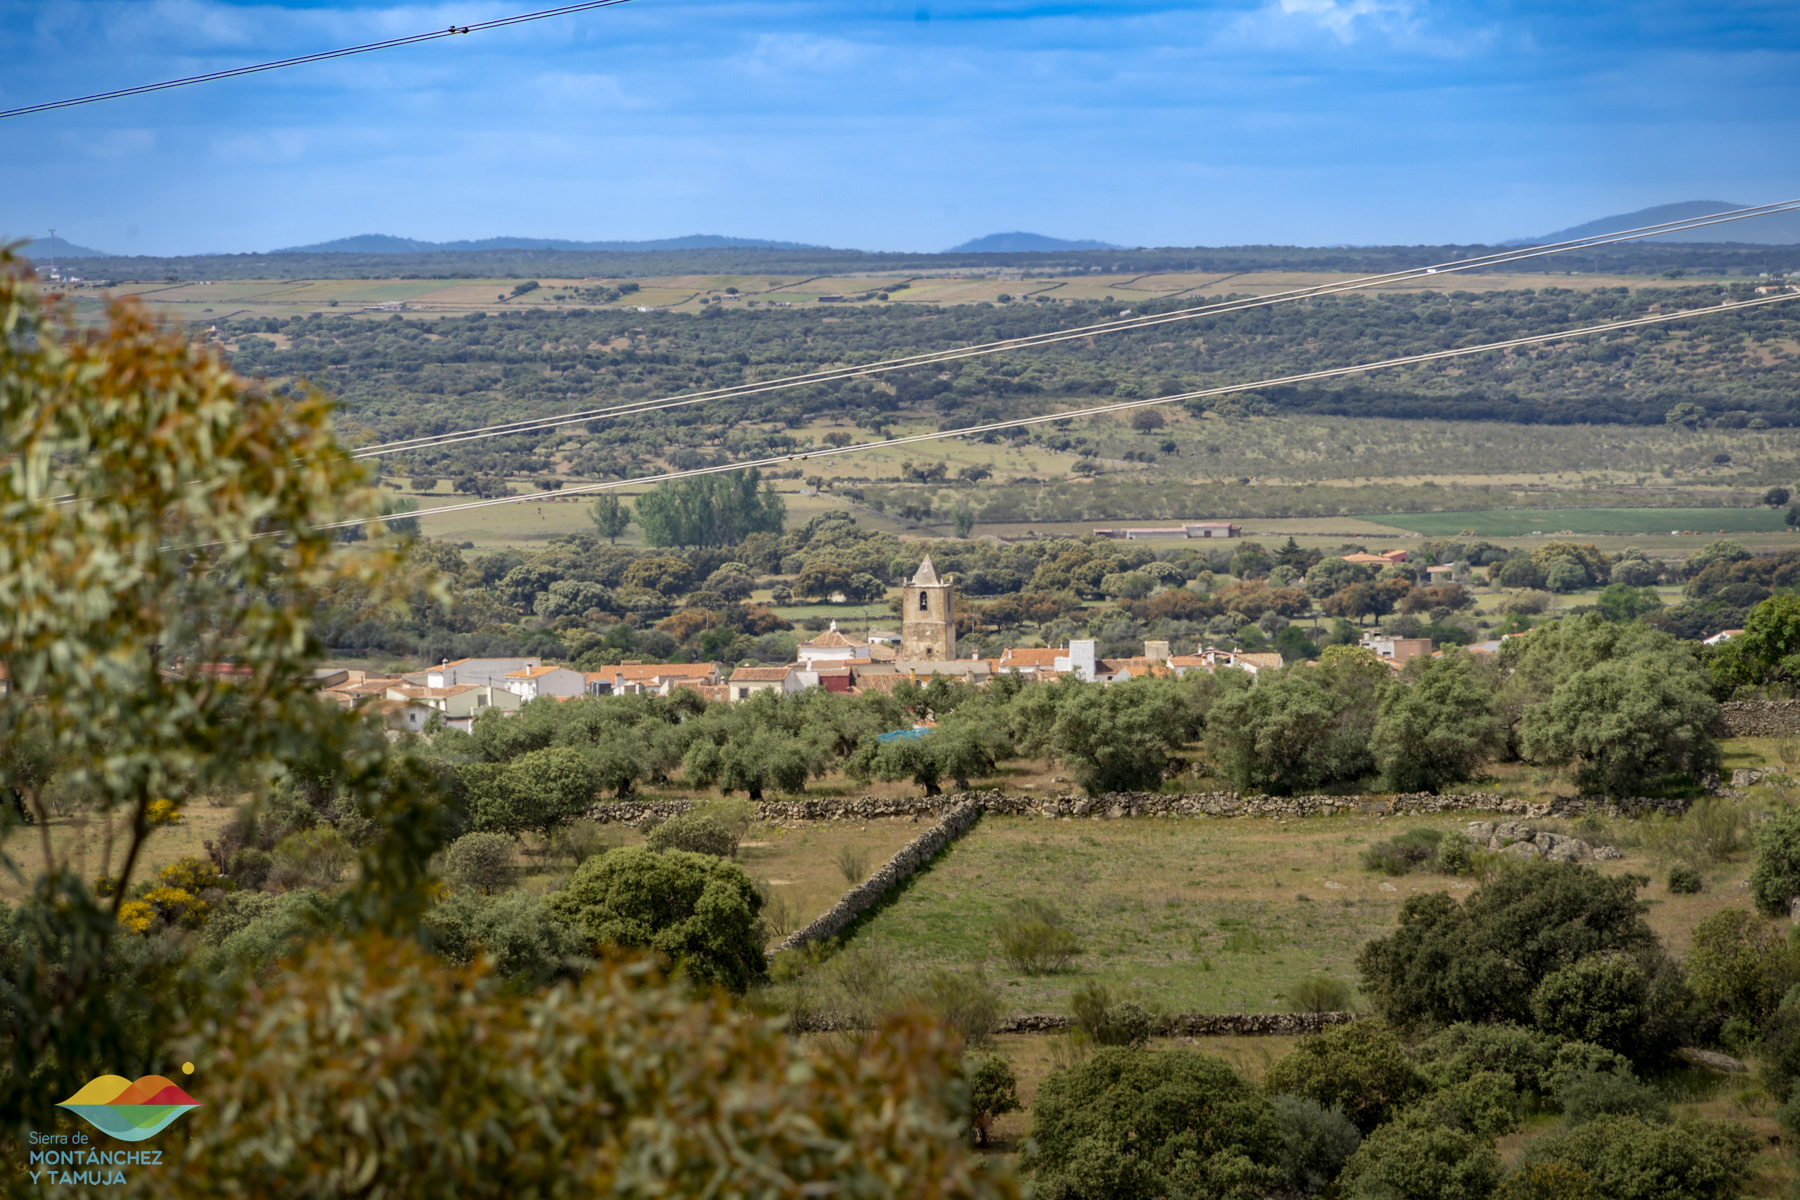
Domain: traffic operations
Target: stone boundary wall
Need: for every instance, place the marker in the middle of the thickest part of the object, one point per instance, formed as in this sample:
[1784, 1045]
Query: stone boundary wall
[869, 892]
[1115, 805]
[1759, 718]
[1179, 1025]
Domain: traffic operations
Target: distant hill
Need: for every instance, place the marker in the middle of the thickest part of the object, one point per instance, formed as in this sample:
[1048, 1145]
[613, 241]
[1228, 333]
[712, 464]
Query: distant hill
[382, 243]
[1782, 229]
[1024, 243]
[41, 248]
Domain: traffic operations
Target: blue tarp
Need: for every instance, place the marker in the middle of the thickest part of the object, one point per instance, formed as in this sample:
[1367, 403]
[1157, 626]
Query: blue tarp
[897, 734]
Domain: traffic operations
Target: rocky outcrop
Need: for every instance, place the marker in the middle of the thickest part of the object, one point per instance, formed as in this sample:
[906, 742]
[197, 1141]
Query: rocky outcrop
[1758, 718]
[895, 870]
[1526, 841]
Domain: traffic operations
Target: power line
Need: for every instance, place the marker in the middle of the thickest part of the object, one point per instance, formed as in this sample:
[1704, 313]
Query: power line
[389, 44]
[1031, 341]
[1123, 406]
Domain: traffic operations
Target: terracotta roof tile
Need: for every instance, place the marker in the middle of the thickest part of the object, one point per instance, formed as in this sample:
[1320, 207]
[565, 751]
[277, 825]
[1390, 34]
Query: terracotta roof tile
[759, 674]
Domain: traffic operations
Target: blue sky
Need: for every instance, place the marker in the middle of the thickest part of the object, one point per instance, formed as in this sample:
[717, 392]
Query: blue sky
[904, 126]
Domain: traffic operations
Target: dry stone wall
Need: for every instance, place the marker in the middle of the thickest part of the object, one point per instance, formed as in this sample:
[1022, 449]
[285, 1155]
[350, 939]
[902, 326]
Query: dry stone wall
[868, 893]
[1179, 1025]
[1759, 718]
[1116, 805]
[1197, 1024]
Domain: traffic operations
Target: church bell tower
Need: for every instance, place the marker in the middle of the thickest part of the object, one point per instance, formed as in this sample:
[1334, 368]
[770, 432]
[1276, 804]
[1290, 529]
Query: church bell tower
[927, 616]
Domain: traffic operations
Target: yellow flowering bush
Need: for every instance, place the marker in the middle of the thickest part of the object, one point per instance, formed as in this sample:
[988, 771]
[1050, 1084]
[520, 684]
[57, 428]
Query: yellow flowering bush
[162, 812]
[137, 916]
[192, 874]
[177, 906]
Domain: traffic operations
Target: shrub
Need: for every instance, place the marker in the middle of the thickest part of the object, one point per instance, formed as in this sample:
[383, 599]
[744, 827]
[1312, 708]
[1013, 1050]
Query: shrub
[1598, 999]
[853, 864]
[1573, 1059]
[250, 867]
[700, 913]
[192, 874]
[1135, 1125]
[1359, 1068]
[1125, 1023]
[1319, 994]
[582, 839]
[696, 833]
[1035, 938]
[517, 931]
[1486, 1104]
[1464, 1050]
[1589, 1094]
[1547, 1181]
[482, 862]
[1685, 881]
[1408, 1160]
[1779, 1051]
[236, 911]
[1706, 833]
[1481, 960]
[1416, 849]
[1628, 1158]
[993, 1092]
[313, 857]
[1741, 966]
[622, 1085]
[1775, 873]
[965, 1001]
[269, 932]
[1315, 1142]
[1456, 856]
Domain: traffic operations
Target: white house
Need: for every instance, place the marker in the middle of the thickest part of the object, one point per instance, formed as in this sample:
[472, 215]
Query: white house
[747, 681]
[482, 672]
[533, 682]
[458, 705]
[832, 649]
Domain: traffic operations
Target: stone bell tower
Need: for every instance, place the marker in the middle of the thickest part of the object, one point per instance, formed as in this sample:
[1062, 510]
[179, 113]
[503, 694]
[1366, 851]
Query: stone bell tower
[927, 616]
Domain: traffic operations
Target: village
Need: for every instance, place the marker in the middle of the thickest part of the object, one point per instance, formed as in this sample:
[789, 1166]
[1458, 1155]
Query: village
[454, 693]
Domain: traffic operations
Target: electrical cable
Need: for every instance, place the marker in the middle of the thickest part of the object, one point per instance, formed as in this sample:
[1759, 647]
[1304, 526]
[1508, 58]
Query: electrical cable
[834, 374]
[1101, 410]
[322, 56]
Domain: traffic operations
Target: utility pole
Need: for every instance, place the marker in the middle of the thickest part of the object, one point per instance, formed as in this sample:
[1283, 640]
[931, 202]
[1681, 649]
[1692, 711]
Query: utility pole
[53, 251]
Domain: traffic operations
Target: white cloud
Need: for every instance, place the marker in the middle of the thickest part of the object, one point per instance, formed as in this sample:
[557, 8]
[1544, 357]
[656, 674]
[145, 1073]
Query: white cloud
[111, 145]
[1344, 18]
[587, 91]
[783, 55]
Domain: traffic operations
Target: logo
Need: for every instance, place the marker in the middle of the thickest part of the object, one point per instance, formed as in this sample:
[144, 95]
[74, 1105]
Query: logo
[130, 1111]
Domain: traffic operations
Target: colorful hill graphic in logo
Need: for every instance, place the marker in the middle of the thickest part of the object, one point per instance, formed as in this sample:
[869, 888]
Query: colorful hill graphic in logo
[129, 1111]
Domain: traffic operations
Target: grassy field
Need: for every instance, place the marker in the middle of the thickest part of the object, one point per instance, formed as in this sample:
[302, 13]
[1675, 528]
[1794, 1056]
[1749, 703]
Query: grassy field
[1191, 915]
[1673, 522]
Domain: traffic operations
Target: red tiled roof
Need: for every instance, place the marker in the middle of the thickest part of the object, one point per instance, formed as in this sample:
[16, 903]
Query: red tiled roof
[655, 671]
[831, 639]
[759, 674]
[1030, 656]
[431, 693]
